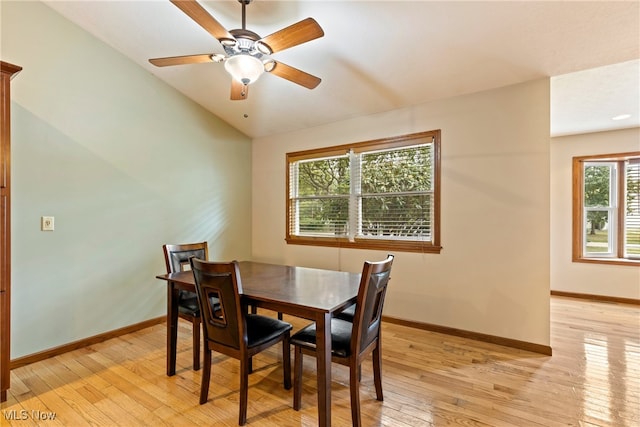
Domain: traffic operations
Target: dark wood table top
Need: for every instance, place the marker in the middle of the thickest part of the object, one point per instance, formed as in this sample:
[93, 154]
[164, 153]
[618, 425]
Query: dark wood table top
[313, 289]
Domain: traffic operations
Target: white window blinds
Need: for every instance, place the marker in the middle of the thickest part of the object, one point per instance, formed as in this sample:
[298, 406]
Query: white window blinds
[632, 211]
[384, 192]
[395, 194]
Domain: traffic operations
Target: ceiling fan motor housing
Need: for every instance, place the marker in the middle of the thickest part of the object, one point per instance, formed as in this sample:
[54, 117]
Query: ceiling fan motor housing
[245, 43]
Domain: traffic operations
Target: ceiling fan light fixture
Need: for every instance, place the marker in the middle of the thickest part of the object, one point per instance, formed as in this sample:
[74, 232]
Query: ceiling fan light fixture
[244, 68]
[228, 42]
[269, 65]
[263, 48]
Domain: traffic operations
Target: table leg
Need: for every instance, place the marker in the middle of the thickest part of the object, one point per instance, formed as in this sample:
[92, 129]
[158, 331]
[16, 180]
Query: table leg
[323, 358]
[172, 327]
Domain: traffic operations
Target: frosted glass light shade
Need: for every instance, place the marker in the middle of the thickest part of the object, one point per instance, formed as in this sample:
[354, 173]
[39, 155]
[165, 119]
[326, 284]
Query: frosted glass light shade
[244, 68]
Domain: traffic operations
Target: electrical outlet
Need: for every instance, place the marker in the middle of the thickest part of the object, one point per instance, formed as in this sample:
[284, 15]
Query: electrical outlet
[46, 223]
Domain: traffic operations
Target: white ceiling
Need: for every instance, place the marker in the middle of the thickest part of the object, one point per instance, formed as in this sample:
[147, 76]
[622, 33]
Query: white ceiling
[383, 55]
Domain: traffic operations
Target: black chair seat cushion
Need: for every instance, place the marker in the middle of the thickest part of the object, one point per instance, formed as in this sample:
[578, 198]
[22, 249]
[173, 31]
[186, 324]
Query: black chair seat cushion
[188, 304]
[340, 337]
[347, 314]
[261, 329]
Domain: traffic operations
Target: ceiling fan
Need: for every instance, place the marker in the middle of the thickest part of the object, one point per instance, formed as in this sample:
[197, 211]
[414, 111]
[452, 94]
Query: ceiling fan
[247, 55]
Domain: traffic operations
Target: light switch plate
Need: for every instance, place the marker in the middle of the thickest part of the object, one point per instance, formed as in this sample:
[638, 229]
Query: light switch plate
[46, 223]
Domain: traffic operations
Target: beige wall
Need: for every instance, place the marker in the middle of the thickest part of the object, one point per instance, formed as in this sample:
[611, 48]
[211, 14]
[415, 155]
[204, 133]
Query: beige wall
[125, 164]
[492, 276]
[609, 280]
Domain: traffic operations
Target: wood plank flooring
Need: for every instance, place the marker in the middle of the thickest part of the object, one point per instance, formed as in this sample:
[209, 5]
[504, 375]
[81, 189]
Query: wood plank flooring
[429, 379]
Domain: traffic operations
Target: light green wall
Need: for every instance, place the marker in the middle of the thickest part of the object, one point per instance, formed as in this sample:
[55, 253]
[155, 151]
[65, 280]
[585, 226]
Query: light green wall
[124, 163]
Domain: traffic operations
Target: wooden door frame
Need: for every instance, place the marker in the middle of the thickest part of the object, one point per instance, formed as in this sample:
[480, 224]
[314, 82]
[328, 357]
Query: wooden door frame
[8, 71]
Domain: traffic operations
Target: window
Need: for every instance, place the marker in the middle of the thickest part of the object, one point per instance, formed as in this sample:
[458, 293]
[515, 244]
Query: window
[381, 194]
[606, 208]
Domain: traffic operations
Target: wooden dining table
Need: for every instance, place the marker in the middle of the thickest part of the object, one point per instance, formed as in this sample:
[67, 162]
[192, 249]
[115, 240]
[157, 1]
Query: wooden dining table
[310, 293]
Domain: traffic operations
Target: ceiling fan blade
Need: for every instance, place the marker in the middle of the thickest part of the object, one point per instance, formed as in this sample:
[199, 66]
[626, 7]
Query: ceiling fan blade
[293, 35]
[238, 90]
[203, 18]
[294, 75]
[181, 60]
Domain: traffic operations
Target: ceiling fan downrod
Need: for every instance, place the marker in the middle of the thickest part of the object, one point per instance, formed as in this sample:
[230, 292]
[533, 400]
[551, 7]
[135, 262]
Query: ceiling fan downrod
[244, 4]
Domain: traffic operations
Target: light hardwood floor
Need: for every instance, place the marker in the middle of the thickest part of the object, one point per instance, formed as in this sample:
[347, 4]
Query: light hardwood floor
[593, 378]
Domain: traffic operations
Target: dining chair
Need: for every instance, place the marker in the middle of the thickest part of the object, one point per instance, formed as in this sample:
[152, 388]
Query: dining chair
[230, 330]
[351, 342]
[176, 258]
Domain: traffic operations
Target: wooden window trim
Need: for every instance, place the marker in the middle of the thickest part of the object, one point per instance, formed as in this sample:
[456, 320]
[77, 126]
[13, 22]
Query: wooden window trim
[578, 204]
[374, 244]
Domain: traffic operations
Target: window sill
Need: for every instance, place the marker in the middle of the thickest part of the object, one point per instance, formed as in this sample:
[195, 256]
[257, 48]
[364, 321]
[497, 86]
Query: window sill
[382, 245]
[609, 261]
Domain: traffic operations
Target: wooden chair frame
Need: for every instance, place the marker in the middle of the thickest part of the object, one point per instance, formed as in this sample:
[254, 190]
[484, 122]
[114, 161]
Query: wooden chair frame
[365, 337]
[225, 329]
[187, 248]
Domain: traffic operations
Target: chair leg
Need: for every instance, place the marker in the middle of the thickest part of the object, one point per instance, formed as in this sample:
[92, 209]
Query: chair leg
[279, 316]
[286, 361]
[377, 371]
[206, 377]
[244, 391]
[297, 377]
[196, 344]
[354, 388]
